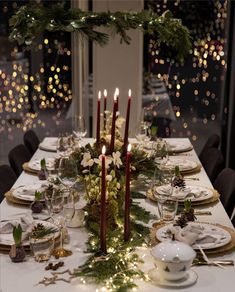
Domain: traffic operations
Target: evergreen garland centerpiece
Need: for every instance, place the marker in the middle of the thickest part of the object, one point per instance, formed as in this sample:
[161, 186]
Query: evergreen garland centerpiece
[32, 20]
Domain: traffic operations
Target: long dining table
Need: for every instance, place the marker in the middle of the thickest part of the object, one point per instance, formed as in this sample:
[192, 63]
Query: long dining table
[25, 276]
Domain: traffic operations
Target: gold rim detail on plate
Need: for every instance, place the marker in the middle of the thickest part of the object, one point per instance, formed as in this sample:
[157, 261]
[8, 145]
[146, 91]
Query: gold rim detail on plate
[216, 251]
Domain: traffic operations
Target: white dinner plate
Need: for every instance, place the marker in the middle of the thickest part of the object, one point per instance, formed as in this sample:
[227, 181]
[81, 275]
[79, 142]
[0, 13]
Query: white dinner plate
[192, 192]
[36, 164]
[220, 236]
[178, 146]
[181, 162]
[49, 144]
[7, 238]
[27, 192]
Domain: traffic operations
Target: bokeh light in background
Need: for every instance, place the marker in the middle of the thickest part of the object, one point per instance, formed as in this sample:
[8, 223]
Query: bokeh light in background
[196, 89]
[29, 88]
[34, 81]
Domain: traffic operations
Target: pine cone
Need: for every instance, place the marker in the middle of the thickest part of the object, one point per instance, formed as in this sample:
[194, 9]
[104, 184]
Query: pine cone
[178, 181]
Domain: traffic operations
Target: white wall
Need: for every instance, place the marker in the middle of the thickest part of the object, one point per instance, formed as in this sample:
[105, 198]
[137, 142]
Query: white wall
[119, 65]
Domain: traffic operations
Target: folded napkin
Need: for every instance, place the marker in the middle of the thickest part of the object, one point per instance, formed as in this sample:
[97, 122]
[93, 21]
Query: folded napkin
[194, 234]
[188, 193]
[25, 221]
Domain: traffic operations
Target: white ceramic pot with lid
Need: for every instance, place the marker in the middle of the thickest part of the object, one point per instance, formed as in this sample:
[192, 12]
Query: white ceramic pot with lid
[173, 259]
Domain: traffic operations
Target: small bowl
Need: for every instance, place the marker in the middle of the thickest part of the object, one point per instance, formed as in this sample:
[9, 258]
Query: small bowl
[173, 259]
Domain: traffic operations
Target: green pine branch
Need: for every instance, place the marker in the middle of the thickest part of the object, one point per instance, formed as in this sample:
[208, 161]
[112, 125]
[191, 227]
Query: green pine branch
[32, 20]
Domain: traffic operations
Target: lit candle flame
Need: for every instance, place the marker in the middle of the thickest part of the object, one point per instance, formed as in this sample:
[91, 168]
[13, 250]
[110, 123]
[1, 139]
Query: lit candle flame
[117, 91]
[105, 93]
[103, 150]
[129, 92]
[99, 94]
[129, 148]
[115, 96]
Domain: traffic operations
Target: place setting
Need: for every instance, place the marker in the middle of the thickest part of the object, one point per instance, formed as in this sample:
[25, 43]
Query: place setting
[35, 166]
[178, 146]
[44, 231]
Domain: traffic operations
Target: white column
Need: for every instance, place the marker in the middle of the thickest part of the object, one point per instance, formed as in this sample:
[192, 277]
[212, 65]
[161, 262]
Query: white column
[79, 67]
[119, 65]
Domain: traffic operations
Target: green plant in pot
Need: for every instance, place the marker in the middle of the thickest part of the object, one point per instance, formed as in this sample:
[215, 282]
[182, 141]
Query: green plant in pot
[17, 252]
[37, 205]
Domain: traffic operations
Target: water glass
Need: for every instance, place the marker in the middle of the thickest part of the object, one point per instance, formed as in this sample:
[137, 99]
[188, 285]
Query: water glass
[42, 248]
[169, 209]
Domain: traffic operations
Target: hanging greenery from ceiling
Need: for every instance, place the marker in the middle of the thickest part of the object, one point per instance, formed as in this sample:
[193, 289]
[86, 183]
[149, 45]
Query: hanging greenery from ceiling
[32, 20]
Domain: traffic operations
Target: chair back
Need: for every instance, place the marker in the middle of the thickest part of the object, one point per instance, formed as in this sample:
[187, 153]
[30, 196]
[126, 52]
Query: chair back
[7, 179]
[233, 221]
[225, 185]
[31, 141]
[17, 157]
[213, 162]
[212, 142]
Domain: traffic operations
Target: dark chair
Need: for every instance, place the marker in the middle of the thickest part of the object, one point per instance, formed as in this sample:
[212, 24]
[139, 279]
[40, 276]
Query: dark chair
[213, 162]
[233, 221]
[212, 142]
[225, 185]
[31, 141]
[7, 179]
[17, 156]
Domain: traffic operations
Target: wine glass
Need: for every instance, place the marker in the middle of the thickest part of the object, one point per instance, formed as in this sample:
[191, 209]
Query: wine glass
[67, 171]
[141, 133]
[57, 203]
[160, 152]
[79, 127]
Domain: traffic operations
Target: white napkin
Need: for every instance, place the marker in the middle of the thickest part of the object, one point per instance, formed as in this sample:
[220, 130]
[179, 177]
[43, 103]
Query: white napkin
[194, 234]
[25, 221]
[187, 192]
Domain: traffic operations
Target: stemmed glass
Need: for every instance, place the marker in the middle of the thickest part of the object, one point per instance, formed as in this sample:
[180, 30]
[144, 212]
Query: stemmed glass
[160, 152]
[141, 133]
[79, 127]
[57, 202]
[67, 171]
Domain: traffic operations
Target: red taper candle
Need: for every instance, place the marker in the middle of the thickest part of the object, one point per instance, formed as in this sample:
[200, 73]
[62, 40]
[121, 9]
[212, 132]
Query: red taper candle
[127, 196]
[117, 94]
[127, 120]
[105, 108]
[103, 203]
[113, 124]
[98, 119]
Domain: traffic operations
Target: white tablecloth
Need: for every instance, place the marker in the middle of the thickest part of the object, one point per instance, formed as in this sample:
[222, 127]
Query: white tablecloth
[23, 277]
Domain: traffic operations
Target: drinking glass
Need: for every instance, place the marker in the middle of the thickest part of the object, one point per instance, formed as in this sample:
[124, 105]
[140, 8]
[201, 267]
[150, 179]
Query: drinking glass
[160, 152]
[67, 171]
[162, 191]
[79, 127]
[169, 209]
[42, 248]
[57, 200]
[141, 133]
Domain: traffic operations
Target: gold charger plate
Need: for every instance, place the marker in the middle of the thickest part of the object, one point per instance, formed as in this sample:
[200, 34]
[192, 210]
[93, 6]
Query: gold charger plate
[11, 199]
[211, 200]
[28, 169]
[214, 251]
